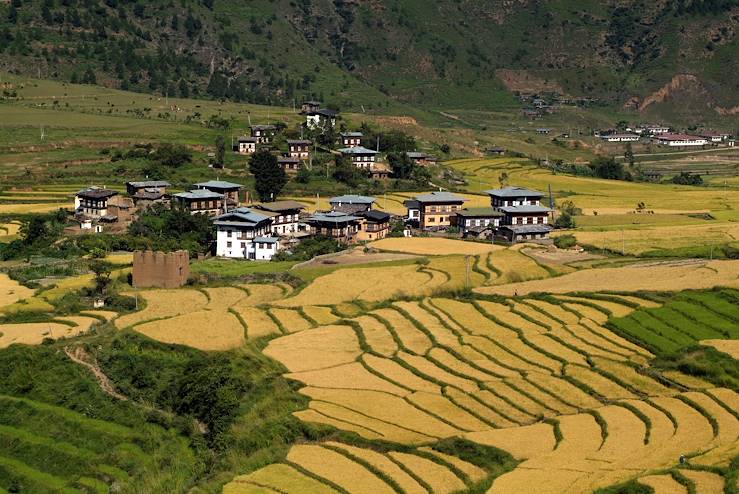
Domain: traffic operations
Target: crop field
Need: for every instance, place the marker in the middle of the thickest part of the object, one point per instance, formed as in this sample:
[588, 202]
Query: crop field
[35, 333]
[11, 291]
[433, 246]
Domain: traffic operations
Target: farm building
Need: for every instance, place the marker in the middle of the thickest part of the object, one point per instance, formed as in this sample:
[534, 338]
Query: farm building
[338, 225]
[244, 234]
[620, 137]
[351, 139]
[264, 134]
[513, 196]
[715, 137]
[680, 140]
[434, 210]
[474, 222]
[321, 119]
[228, 189]
[363, 158]
[159, 186]
[289, 163]
[351, 204]
[93, 201]
[299, 148]
[517, 233]
[373, 225]
[655, 129]
[200, 201]
[524, 218]
[285, 216]
[420, 158]
[246, 145]
[380, 171]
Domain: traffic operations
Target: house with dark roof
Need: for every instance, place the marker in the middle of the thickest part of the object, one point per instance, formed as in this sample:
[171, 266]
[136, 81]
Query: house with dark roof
[351, 203]
[245, 234]
[158, 186]
[264, 134]
[299, 148]
[201, 201]
[93, 201]
[246, 145]
[420, 158]
[285, 216]
[373, 225]
[476, 222]
[351, 139]
[338, 225]
[321, 119]
[289, 163]
[228, 189]
[436, 209]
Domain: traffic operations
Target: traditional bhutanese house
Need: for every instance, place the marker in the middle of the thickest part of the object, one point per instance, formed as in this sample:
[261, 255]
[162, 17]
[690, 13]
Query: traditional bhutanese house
[436, 209]
[473, 222]
[680, 140]
[246, 145]
[310, 106]
[418, 157]
[373, 225]
[351, 204]
[93, 201]
[263, 133]
[524, 216]
[200, 201]
[160, 186]
[513, 196]
[380, 171]
[285, 216]
[335, 224]
[714, 136]
[496, 151]
[245, 234]
[229, 189]
[289, 164]
[519, 233]
[414, 211]
[321, 119]
[360, 156]
[299, 148]
[351, 139]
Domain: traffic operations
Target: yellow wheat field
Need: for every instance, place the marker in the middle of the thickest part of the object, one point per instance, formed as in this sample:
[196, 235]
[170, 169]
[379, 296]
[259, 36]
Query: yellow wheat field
[730, 347]
[663, 484]
[205, 330]
[320, 348]
[515, 266]
[347, 376]
[399, 374]
[431, 246]
[291, 320]
[27, 208]
[261, 294]
[439, 478]
[410, 336]
[322, 315]
[377, 335]
[258, 323]
[11, 291]
[658, 276]
[277, 478]
[705, 482]
[221, 298]
[34, 333]
[164, 303]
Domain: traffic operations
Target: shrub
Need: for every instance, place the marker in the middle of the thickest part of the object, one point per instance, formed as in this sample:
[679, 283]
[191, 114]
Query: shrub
[565, 241]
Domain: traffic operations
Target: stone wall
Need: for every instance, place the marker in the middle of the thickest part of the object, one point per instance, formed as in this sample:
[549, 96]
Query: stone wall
[160, 270]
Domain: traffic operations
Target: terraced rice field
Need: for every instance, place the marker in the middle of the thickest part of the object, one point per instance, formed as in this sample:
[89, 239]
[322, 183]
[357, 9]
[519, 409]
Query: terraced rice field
[417, 372]
[430, 246]
[35, 333]
[11, 291]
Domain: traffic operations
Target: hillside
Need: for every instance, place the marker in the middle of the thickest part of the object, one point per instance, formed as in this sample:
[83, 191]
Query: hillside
[673, 59]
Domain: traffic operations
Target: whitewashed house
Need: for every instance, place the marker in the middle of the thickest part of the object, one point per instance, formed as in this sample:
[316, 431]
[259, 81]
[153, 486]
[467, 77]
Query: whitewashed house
[246, 145]
[680, 140]
[245, 234]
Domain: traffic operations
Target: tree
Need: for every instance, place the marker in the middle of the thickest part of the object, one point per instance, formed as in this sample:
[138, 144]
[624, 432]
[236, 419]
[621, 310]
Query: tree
[184, 89]
[608, 168]
[346, 172]
[269, 176]
[445, 148]
[220, 152]
[303, 175]
[629, 154]
[503, 179]
[172, 155]
[401, 165]
[687, 178]
[102, 270]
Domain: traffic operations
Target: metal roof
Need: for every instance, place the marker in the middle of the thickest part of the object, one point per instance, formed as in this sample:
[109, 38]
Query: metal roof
[96, 193]
[352, 199]
[149, 183]
[352, 134]
[299, 141]
[267, 240]
[288, 159]
[333, 217]
[263, 127]
[218, 184]
[199, 194]
[526, 208]
[514, 192]
[440, 197]
[540, 228]
[416, 154]
[247, 139]
[479, 212]
[243, 215]
[279, 206]
[357, 150]
[375, 215]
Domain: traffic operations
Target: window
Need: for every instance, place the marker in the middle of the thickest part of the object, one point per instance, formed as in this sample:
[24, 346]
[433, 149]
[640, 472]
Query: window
[228, 245]
[431, 219]
[228, 233]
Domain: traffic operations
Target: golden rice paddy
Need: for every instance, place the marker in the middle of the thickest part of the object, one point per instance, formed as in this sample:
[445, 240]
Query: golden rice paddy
[204, 330]
[431, 246]
[11, 291]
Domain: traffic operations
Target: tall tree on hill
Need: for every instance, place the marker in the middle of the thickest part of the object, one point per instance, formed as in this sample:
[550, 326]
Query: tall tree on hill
[220, 160]
[401, 164]
[269, 177]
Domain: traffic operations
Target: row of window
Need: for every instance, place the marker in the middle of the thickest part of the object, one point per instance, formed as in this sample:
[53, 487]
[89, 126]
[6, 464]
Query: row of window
[363, 158]
[260, 245]
[529, 220]
[442, 209]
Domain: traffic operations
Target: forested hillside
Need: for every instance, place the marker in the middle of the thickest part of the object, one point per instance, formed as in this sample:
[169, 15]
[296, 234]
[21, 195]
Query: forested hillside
[433, 53]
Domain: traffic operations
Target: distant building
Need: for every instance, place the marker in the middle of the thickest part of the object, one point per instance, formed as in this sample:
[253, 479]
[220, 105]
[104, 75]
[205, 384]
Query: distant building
[680, 140]
[380, 171]
[264, 134]
[310, 106]
[321, 119]
[715, 137]
[93, 201]
[150, 186]
[351, 139]
[524, 218]
[246, 145]
[338, 225]
[656, 129]
[496, 151]
[543, 131]
[299, 148]
[201, 201]
[419, 157]
[285, 216]
[360, 156]
[228, 189]
[475, 221]
[245, 234]
[436, 209]
[289, 164]
[351, 204]
[619, 137]
[373, 225]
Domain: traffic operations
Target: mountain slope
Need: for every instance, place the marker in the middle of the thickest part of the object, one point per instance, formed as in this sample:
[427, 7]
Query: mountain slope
[432, 53]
